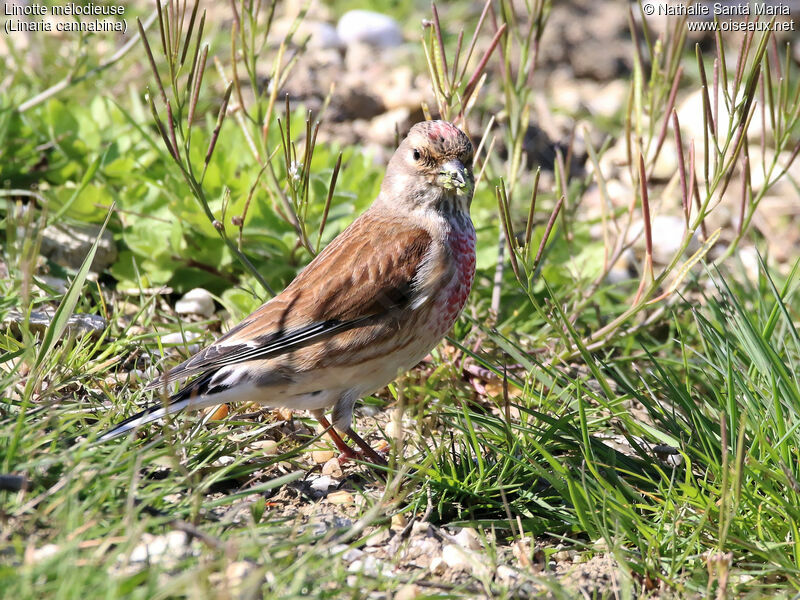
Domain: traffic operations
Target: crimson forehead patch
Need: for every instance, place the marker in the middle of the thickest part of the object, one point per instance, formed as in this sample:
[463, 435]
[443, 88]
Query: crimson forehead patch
[437, 129]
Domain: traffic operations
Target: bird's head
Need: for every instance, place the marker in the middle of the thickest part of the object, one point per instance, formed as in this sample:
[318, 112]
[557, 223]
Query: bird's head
[431, 169]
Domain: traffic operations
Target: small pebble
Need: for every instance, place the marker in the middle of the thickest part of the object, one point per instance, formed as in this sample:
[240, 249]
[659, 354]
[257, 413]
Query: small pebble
[128, 308]
[459, 559]
[600, 545]
[468, 538]
[394, 429]
[409, 591]
[43, 553]
[438, 566]
[60, 286]
[196, 302]
[562, 556]
[506, 574]
[179, 337]
[332, 468]
[322, 456]
[399, 522]
[340, 497]
[237, 571]
[268, 447]
[455, 557]
[367, 27]
[522, 552]
[378, 538]
[158, 548]
[352, 554]
[369, 566]
[421, 528]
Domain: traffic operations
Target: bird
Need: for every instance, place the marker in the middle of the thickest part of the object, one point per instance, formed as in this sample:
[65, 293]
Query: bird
[369, 307]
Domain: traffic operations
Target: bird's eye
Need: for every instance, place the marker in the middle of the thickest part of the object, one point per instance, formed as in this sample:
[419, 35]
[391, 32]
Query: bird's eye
[416, 154]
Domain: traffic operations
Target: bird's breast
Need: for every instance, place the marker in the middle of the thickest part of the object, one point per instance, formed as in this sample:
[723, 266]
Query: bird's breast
[461, 242]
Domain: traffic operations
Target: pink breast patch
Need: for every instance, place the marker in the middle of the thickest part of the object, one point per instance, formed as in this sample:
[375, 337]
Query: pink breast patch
[455, 295]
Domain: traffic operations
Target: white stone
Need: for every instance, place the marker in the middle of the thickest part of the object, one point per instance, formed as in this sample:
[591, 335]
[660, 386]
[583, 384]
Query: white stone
[369, 27]
[667, 232]
[455, 557]
[319, 33]
[506, 574]
[691, 118]
[352, 554]
[179, 337]
[468, 538]
[610, 99]
[379, 538]
[223, 461]
[563, 555]
[370, 566]
[237, 571]
[460, 559]
[196, 302]
[428, 546]
[45, 552]
[667, 162]
[749, 257]
[437, 566]
[421, 528]
[162, 547]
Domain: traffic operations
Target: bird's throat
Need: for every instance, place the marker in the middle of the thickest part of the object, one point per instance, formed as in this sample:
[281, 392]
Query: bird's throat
[453, 205]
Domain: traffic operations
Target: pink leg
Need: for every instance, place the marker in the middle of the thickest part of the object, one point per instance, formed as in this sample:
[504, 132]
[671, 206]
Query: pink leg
[346, 451]
[366, 449]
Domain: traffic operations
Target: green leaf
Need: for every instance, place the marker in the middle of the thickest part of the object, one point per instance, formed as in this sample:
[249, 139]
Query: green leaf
[64, 311]
[91, 200]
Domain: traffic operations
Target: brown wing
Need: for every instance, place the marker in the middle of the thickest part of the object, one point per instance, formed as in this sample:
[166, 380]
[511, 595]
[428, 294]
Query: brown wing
[362, 274]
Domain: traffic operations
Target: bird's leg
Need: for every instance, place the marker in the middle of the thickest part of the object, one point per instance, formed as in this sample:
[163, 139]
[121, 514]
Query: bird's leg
[345, 450]
[342, 417]
[347, 453]
[366, 449]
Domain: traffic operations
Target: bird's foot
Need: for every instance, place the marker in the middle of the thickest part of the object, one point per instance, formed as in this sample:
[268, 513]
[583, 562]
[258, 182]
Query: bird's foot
[373, 457]
[366, 454]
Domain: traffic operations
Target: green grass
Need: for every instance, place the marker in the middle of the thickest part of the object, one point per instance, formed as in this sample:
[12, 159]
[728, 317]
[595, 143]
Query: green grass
[723, 394]
[720, 388]
[653, 421]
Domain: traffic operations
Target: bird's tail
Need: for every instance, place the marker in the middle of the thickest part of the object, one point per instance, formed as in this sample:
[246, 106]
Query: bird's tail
[190, 398]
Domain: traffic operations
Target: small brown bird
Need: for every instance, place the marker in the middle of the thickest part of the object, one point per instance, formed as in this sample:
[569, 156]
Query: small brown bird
[369, 307]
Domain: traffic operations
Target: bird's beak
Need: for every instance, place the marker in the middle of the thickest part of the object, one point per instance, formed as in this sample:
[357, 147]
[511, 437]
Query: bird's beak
[453, 175]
